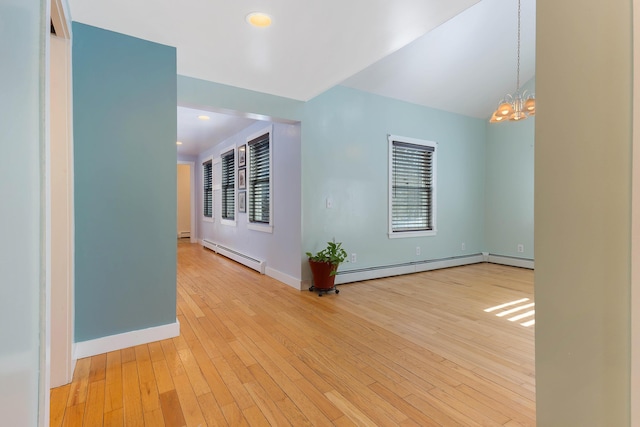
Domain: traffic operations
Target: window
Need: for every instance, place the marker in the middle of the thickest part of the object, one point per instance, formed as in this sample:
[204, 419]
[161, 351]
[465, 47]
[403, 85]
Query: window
[259, 180]
[412, 187]
[207, 189]
[228, 185]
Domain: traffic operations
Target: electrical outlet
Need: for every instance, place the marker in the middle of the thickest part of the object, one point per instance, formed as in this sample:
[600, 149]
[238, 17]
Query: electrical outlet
[464, 246]
[520, 248]
[354, 257]
[418, 250]
[329, 203]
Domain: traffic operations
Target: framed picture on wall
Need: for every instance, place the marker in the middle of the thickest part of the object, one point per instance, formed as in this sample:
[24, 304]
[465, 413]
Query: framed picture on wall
[242, 151]
[242, 201]
[242, 179]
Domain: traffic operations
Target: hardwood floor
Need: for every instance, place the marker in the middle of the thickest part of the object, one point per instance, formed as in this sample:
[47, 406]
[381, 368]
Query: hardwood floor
[416, 350]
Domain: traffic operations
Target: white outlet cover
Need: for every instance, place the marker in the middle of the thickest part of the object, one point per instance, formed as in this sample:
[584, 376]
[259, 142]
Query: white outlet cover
[329, 203]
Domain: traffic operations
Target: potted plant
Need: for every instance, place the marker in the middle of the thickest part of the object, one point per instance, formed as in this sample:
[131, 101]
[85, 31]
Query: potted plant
[324, 265]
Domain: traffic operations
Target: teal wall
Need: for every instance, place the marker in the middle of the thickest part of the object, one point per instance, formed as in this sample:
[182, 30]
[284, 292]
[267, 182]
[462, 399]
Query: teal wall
[345, 158]
[21, 210]
[509, 187]
[125, 183]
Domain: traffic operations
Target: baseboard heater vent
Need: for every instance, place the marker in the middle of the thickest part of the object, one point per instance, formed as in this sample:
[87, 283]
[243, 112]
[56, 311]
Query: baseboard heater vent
[405, 268]
[184, 234]
[253, 263]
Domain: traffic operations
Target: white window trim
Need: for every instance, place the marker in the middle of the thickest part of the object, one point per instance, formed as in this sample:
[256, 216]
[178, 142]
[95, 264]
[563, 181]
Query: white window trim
[230, 222]
[406, 234]
[206, 218]
[265, 228]
[217, 186]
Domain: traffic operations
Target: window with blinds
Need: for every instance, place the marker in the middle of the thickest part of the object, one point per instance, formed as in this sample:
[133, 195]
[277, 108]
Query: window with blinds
[259, 181]
[207, 189]
[228, 187]
[412, 187]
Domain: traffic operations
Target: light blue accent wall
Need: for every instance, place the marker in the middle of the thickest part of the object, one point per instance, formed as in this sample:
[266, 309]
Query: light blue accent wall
[21, 171]
[281, 248]
[509, 187]
[125, 183]
[345, 158]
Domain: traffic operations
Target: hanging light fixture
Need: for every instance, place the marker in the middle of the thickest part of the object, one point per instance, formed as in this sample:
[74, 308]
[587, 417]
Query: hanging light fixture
[520, 105]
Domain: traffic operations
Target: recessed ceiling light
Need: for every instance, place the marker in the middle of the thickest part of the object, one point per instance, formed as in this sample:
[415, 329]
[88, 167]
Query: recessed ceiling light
[259, 19]
[178, 142]
[204, 117]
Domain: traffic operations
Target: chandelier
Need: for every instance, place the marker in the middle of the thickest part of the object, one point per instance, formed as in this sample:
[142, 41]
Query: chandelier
[521, 104]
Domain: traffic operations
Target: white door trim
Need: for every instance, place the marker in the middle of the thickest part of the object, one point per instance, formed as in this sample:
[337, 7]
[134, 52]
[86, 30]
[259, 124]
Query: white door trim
[192, 190]
[634, 397]
[59, 202]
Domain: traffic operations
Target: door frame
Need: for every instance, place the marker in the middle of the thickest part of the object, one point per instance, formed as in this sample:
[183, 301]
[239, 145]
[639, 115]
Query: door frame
[192, 197]
[59, 312]
[635, 225]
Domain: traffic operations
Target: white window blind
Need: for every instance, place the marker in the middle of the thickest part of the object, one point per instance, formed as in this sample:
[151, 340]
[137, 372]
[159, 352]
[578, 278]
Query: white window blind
[228, 185]
[259, 181]
[207, 193]
[412, 187]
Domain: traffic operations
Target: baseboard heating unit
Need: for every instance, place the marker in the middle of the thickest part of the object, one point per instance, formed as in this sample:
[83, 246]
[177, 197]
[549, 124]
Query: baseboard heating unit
[378, 272]
[405, 268]
[244, 259]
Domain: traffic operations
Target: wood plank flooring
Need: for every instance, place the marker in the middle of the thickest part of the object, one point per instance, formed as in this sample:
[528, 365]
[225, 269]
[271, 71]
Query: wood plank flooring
[415, 350]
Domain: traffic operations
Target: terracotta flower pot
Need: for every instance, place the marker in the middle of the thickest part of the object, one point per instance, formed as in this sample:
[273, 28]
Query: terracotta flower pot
[322, 277]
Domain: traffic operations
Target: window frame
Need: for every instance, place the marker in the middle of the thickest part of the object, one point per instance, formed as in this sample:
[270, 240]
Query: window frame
[223, 155]
[395, 234]
[253, 225]
[203, 188]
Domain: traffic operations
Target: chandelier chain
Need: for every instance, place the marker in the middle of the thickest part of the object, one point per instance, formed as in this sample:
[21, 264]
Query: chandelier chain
[518, 73]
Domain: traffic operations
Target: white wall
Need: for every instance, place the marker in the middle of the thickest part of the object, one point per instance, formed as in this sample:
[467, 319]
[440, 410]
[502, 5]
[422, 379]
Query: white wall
[281, 249]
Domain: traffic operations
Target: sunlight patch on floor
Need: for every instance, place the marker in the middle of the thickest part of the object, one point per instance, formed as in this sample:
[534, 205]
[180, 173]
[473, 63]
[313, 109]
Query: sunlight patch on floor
[515, 307]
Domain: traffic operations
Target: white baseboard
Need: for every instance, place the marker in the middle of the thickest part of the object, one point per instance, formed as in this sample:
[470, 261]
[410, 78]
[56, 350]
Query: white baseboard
[125, 340]
[284, 278]
[511, 261]
[397, 270]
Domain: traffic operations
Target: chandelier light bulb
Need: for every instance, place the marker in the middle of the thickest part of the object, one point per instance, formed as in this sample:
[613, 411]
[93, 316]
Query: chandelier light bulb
[505, 109]
[530, 105]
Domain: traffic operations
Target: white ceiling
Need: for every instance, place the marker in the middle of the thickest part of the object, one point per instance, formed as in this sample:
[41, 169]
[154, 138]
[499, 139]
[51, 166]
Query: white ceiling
[464, 66]
[198, 135]
[455, 55]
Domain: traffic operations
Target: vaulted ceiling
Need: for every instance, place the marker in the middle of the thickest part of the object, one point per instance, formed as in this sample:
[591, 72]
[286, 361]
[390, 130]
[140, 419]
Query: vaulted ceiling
[455, 55]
